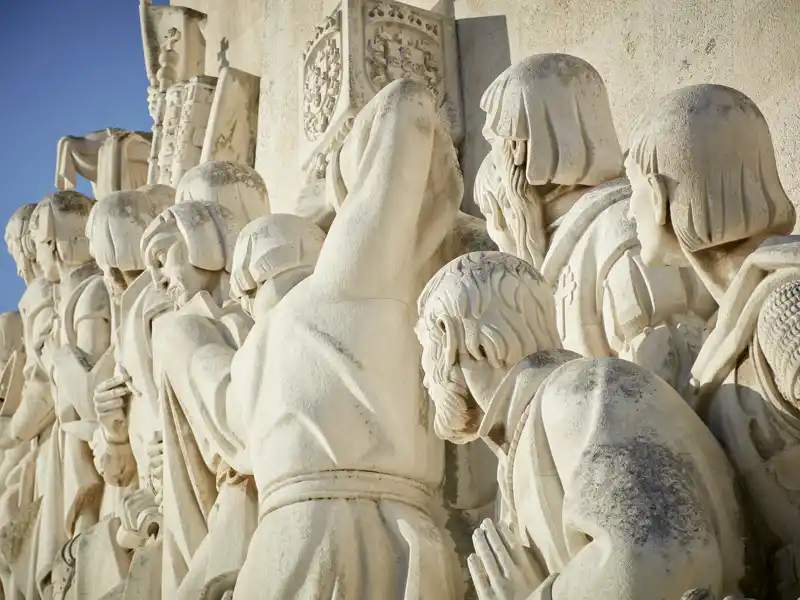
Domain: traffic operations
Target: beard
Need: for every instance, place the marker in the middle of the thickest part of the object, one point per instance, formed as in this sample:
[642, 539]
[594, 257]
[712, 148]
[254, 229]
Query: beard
[457, 418]
[178, 295]
[115, 289]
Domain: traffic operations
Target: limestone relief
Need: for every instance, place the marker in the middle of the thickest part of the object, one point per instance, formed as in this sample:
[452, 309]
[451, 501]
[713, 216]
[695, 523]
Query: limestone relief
[589, 390]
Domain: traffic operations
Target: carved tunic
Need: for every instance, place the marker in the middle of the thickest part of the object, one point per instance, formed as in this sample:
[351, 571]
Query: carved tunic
[609, 302]
[210, 512]
[140, 307]
[327, 394]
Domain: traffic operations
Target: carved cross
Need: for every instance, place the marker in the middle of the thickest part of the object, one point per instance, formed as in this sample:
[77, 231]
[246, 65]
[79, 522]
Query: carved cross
[565, 296]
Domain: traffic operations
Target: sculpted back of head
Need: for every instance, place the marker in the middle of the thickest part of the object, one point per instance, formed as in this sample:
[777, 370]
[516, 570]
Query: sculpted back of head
[58, 231]
[703, 171]
[235, 186]
[19, 242]
[478, 316]
[555, 109]
[271, 248]
[188, 248]
[115, 228]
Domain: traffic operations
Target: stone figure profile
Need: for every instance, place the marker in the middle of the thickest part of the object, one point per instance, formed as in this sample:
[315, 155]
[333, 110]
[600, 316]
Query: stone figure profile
[613, 485]
[19, 243]
[210, 506]
[707, 194]
[71, 489]
[27, 436]
[549, 123]
[126, 443]
[553, 194]
[188, 249]
[195, 349]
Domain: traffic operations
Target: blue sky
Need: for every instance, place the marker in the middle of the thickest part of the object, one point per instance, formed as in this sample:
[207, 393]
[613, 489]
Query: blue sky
[68, 68]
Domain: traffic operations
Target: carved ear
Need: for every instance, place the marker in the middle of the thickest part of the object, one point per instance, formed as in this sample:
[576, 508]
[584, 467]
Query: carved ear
[450, 344]
[519, 149]
[660, 196]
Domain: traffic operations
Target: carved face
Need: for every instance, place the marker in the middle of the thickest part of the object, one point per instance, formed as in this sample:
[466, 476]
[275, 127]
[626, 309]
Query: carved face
[644, 211]
[457, 415]
[169, 266]
[47, 257]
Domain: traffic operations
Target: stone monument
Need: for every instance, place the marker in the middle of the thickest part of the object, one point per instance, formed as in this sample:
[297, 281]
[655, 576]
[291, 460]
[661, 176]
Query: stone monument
[579, 381]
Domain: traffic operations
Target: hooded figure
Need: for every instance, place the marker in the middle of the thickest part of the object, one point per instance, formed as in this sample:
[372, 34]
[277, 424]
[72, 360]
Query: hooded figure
[325, 400]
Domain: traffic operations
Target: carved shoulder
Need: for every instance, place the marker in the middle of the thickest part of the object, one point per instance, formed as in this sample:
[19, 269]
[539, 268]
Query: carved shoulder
[93, 302]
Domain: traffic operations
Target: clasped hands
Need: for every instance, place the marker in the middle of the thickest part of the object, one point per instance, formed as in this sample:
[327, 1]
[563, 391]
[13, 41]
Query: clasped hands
[501, 568]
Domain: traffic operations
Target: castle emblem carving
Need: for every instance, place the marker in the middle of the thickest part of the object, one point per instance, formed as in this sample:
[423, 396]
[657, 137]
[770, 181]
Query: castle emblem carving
[322, 79]
[402, 43]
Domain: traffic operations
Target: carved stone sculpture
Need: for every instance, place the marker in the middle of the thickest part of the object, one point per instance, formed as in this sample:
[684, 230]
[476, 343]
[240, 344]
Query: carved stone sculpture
[552, 194]
[707, 194]
[31, 417]
[74, 357]
[610, 501]
[114, 229]
[375, 478]
[13, 494]
[210, 507]
[112, 159]
[174, 53]
[272, 255]
[127, 404]
[19, 244]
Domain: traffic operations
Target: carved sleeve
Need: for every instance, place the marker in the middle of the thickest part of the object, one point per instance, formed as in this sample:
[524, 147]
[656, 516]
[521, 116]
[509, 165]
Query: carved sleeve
[400, 183]
[92, 321]
[194, 356]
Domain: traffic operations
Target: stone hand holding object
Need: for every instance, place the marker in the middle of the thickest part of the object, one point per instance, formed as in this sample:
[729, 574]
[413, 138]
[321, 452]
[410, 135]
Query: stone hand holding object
[501, 568]
[113, 460]
[110, 399]
[140, 519]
